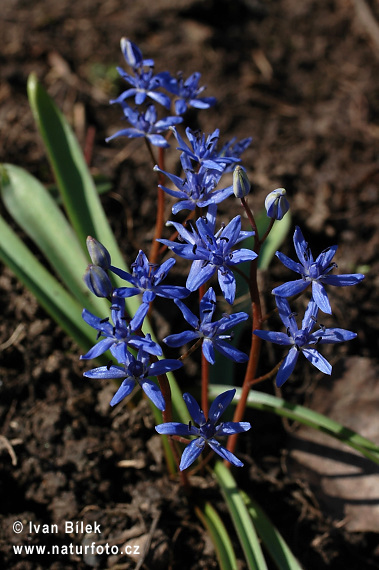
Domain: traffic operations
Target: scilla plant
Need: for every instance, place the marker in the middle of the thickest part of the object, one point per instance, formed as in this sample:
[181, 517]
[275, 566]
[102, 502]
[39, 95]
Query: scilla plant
[195, 427]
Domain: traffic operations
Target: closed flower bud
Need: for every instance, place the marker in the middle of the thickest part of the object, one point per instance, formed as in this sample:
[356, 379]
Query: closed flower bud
[97, 281]
[241, 182]
[98, 253]
[276, 204]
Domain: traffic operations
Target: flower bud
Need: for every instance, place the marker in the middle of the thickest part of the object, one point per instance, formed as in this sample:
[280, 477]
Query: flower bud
[97, 281]
[98, 253]
[241, 182]
[276, 204]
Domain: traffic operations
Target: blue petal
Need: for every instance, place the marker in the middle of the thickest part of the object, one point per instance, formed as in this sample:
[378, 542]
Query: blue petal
[320, 297]
[287, 262]
[191, 453]
[275, 337]
[163, 366]
[291, 288]
[176, 428]
[227, 284]
[99, 348]
[208, 351]
[219, 405]
[317, 360]
[224, 453]
[229, 428]
[187, 314]
[194, 409]
[301, 247]
[334, 335]
[153, 393]
[106, 372]
[138, 318]
[180, 339]
[343, 280]
[230, 351]
[172, 291]
[287, 367]
[198, 275]
[124, 390]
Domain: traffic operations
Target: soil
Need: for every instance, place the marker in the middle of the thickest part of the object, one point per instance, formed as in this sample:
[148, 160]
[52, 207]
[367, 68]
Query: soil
[302, 78]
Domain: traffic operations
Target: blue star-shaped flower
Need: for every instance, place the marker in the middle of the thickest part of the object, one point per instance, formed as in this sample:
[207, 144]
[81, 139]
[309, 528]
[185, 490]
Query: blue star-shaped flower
[212, 252]
[203, 150]
[116, 337]
[143, 83]
[212, 333]
[302, 340]
[187, 92]
[145, 124]
[315, 272]
[146, 279]
[136, 370]
[197, 188]
[207, 430]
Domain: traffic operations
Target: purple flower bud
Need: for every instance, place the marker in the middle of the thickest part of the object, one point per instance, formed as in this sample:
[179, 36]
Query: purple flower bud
[241, 182]
[276, 204]
[98, 253]
[97, 281]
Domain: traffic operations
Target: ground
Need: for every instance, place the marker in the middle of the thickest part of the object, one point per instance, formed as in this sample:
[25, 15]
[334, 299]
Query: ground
[301, 78]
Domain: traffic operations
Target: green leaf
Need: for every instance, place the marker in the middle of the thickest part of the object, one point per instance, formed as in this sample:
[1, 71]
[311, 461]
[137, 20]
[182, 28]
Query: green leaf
[219, 536]
[241, 519]
[63, 308]
[36, 212]
[266, 402]
[275, 544]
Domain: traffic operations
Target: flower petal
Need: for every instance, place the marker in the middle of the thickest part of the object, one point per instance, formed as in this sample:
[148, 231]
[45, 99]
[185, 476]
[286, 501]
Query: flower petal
[191, 453]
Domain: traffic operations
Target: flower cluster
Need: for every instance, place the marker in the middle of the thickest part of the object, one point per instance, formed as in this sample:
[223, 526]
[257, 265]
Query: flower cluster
[211, 249]
[315, 273]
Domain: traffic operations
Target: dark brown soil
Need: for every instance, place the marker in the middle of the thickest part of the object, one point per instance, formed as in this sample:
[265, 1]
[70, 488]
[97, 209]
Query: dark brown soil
[302, 78]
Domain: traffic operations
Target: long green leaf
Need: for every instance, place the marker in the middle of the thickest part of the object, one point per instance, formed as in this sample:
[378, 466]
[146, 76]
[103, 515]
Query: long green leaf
[36, 212]
[51, 295]
[267, 402]
[219, 536]
[275, 544]
[241, 519]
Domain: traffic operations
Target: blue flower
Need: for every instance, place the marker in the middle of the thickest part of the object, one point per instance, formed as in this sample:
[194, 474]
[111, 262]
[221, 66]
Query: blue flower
[203, 150]
[188, 92]
[116, 337]
[143, 83]
[315, 272]
[197, 188]
[276, 204]
[146, 279]
[211, 253]
[302, 340]
[136, 370]
[233, 150]
[145, 124]
[207, 430]
[212, 333]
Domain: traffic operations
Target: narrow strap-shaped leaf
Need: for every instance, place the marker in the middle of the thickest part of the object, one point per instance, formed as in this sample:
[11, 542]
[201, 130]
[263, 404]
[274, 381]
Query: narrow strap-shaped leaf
[36, 212]
[219, 536]
[241, 519]
[262, 401]
[275, 544]
[51, 295]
